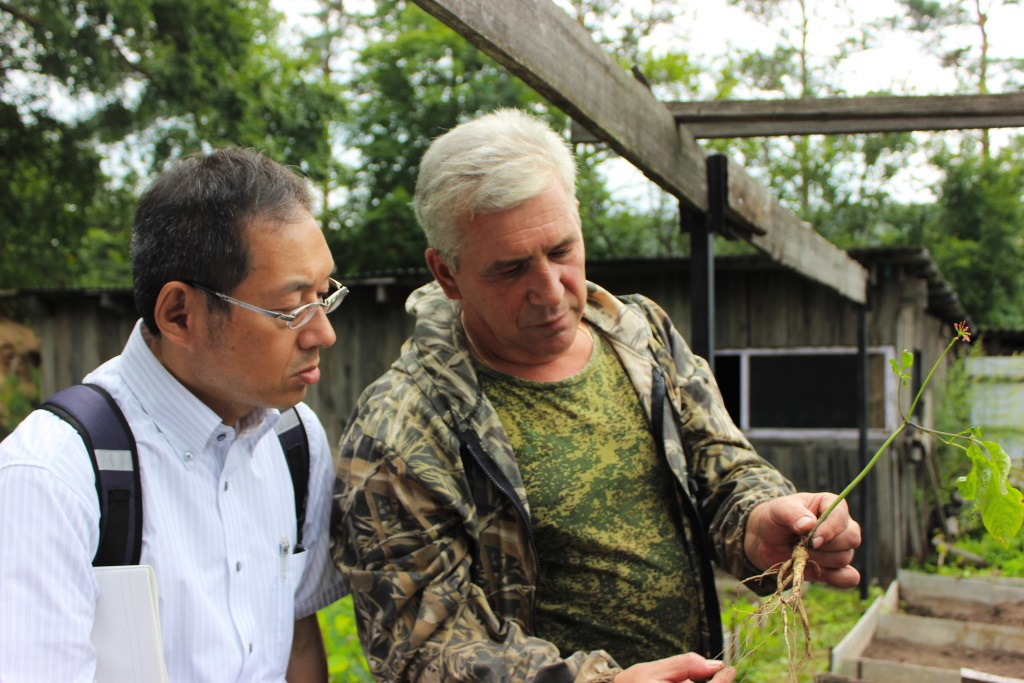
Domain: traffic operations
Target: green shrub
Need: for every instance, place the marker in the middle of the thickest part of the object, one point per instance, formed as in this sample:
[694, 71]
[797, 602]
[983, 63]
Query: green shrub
[18, 398]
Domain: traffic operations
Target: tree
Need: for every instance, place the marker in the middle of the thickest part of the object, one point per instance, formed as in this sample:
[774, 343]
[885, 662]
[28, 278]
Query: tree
[96, 96]
[414, 80]
[956, 32]
[830, 181]
[975, 229]
[976, 232]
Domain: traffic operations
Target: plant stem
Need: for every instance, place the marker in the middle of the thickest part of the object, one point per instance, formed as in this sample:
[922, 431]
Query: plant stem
[884, 447]
[856, 480]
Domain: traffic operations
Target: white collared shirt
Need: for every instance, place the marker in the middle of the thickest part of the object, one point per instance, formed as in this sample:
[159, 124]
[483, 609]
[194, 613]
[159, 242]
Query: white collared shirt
[218, 509]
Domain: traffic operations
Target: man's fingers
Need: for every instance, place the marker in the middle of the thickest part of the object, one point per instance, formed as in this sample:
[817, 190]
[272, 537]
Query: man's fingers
[843, 577]
[841, 534]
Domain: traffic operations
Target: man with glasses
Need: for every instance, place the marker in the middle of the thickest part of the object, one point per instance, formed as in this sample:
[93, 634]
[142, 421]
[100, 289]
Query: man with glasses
[232, 278]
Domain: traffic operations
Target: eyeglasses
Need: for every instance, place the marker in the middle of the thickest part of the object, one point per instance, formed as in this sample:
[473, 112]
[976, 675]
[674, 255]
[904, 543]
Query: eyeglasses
[301, 315]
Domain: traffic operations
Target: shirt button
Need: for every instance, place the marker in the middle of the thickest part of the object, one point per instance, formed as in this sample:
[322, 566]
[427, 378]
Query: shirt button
[221, 437]
[188, 456]
[238, 566]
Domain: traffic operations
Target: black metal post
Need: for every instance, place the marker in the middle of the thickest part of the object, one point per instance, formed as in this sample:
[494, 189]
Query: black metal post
[702, 261]
[863, 564]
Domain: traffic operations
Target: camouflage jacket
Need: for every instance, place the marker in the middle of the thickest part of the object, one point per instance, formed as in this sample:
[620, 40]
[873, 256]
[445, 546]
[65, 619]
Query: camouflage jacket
[431, 524]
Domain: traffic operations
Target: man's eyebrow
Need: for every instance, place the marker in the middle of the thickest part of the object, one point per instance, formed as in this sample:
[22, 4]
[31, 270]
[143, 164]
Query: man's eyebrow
[503, 264]
[300, 285]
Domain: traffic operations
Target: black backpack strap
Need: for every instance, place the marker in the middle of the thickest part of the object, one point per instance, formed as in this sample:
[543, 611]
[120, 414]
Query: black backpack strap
[295, 445]
[712, 611]
[99, 421]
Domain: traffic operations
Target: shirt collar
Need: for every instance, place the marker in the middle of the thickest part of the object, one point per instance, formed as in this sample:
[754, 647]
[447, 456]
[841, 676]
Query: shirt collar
[188, 423]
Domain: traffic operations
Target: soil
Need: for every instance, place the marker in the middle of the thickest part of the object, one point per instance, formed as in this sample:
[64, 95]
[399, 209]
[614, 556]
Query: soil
[955, 656]
[998, 662]
[1006, 614]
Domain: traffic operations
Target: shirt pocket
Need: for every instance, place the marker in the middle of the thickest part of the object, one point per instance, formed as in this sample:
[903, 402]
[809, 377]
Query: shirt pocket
[293, 567]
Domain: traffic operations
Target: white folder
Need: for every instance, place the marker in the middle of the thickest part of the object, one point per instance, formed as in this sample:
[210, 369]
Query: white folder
[126, 632]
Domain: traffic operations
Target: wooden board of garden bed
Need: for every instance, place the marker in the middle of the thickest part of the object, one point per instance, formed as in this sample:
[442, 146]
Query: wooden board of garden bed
[972, 624]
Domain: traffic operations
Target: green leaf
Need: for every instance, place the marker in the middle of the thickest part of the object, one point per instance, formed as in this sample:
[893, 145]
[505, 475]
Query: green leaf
[906, 361]
[1000, 504]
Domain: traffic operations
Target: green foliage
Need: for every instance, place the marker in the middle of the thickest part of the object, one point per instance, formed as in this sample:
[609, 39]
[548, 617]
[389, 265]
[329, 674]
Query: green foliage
[97, 96]
[987, 484]
[975, 232]
[837, 183]
[18, 398]
[345, 661]
[1000, 505]
[414, 80]
[1004, 559]
[902, 367]
[51, 177]
[957, 33]
[104, 255]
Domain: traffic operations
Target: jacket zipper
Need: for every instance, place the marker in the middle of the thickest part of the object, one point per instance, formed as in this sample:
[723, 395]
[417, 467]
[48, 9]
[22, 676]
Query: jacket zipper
[474, 447]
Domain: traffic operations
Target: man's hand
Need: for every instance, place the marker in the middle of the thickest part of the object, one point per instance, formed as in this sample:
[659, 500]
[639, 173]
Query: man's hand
[776, 525]
[690, 667]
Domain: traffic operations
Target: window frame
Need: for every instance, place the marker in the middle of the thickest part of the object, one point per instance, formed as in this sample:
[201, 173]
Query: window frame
[890, 390]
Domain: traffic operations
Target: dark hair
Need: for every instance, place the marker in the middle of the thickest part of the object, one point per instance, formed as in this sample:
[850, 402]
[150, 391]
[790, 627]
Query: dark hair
[191, 223]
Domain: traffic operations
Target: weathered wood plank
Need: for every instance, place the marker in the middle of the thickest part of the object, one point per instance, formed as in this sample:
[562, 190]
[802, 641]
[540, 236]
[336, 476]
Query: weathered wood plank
[751, 129]
[972, 676]
[789, 240]
[845, 654]
[842, 115]
[873, 114]
[541, 44]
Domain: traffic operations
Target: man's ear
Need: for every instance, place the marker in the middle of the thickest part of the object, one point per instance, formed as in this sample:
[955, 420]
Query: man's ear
[175, 311]
[443, 274]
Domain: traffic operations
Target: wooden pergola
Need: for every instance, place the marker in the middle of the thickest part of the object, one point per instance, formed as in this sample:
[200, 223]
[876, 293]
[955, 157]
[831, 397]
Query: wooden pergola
[555, 55]
[541, 44]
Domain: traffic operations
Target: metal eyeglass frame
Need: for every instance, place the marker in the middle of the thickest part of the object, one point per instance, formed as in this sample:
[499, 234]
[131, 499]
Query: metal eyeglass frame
[297, 318]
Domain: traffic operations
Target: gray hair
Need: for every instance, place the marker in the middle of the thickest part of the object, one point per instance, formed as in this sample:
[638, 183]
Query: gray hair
[491, 164]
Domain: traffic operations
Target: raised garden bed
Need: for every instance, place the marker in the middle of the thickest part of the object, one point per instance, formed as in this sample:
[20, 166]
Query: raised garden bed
[936, 629]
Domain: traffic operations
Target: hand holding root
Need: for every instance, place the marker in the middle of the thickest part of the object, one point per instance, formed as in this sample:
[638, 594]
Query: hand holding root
[776, 526]
[832, 536]
[785, 538]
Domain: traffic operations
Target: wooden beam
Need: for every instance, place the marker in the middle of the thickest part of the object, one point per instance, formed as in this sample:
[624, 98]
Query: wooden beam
[843, 115]
[542, 45]
[790, 240]
[875, 114]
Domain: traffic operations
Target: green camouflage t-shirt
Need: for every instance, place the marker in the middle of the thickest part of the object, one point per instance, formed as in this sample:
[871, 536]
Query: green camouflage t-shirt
[614, 573]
